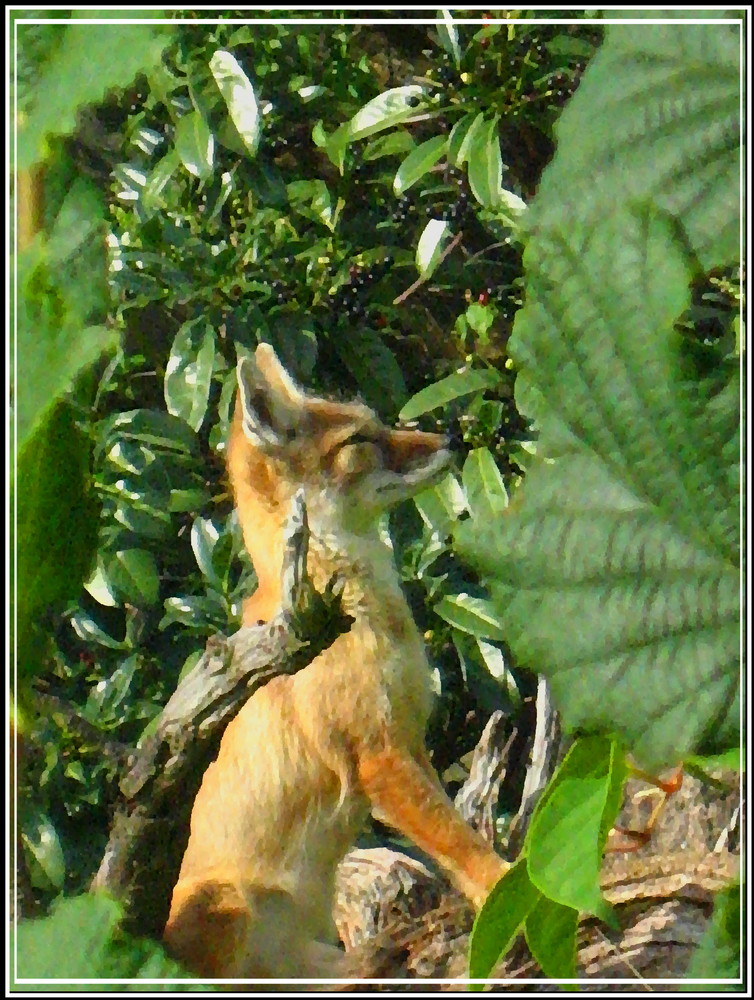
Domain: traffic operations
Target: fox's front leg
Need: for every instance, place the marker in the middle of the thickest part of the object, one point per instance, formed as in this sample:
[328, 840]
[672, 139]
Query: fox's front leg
[405, 795]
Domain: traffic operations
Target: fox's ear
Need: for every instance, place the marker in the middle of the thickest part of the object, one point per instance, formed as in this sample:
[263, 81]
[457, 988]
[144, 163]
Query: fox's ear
[270, 400]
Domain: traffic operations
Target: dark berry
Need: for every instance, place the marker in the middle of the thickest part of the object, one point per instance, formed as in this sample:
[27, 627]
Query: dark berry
[413, 101]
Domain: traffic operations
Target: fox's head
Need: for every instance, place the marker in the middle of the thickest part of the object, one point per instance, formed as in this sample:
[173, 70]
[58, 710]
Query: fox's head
[284, 438]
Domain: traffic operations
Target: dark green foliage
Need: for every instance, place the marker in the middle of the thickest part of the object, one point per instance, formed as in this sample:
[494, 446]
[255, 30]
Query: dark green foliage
[356, 195]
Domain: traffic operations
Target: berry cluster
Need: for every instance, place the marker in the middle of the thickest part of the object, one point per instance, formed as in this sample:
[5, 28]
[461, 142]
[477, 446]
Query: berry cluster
[278, 145]
[499, 294]
[349, 299]
[459, 210]
[563, 84]
[444, 76]
[403, 209]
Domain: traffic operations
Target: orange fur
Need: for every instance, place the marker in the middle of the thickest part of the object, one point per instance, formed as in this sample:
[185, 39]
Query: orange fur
[309, 755]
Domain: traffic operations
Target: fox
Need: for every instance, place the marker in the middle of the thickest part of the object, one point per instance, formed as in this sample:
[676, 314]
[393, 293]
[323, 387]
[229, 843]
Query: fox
[311, 754]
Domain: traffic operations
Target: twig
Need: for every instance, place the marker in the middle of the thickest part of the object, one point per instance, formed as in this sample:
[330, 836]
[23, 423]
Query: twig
[425, 277]
[477, 798]
[484, 250]
[544, 755]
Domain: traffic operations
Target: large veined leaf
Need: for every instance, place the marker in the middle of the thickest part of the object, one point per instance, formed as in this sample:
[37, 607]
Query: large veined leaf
[598, 339]
[61, 307]
[56, 530]
[632, 537]
[657, 115]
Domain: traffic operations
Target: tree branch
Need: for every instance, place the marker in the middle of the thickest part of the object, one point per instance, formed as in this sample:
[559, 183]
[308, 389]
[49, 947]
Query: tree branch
[151, 827]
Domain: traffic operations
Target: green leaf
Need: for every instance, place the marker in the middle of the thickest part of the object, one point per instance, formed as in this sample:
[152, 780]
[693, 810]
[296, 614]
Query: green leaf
[90, 60]
[719, 953]
[374, 367]
[335, 146]
[107, 695]
[448, 35]
[200, 614]
[565, 840]
[86, 628]
[483, 484]
[419, 162]
[550, 931]
[385, 111]
[149, 427]
[189, 372]
[313, 200]
[60, 305]
[568, 45]
[79, 220]
[98, 587]
[470, 614]
[462, 136]
[656, 117]
[451, 387]
[440, 506]
[44, 852]
[80, 939]
[654, 651]
[195, 145]
[152, 523]
[133, 574]
[430, 246]
[187, 501]
[480, 318]
[486, 165]
[57, 516]
[399, 141]
[163, 170]
[238, 94]
[500, 920]
[204, 537]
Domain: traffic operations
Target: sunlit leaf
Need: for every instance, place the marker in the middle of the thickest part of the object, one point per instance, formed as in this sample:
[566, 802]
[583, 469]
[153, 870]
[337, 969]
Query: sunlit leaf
[238, 94]
[451, 387]
[419, 162]
[195, 145]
